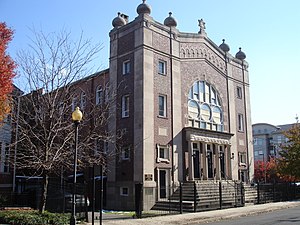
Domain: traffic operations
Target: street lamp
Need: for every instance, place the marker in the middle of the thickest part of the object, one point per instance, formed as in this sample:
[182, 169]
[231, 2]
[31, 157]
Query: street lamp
[76, 117]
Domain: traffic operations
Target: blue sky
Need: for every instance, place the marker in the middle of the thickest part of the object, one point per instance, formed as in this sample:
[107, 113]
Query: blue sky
[266, 30]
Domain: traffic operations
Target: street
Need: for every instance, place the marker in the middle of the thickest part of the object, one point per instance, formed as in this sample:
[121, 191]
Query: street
[281, 217]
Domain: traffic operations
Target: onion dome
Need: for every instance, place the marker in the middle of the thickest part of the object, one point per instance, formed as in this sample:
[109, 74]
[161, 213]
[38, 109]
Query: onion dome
[170, 21]
[143, 8]
[224, 46]
[240, 55]
[118, 21]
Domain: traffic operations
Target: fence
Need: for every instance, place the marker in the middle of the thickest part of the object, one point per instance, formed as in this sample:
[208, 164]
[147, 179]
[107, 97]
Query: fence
[189, 197]
[59, 197]
[276, 192]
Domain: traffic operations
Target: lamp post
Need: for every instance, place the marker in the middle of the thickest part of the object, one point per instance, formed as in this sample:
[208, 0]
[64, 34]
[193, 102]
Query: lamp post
[76, 117]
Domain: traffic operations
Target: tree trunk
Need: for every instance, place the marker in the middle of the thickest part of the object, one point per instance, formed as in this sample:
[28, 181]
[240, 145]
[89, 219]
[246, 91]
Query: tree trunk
[44, 193]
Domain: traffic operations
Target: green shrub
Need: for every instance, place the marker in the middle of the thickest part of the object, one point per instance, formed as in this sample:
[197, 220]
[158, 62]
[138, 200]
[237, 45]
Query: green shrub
[31, 217]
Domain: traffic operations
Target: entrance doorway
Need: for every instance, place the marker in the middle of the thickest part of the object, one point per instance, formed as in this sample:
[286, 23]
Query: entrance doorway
[196, 162]
[162, 183]
[210, 171]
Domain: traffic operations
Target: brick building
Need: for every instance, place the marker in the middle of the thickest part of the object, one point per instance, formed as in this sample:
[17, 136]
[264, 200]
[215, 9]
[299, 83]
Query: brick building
[184, 106]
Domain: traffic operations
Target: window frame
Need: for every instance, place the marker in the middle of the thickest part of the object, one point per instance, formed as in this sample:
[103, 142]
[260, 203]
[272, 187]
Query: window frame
[82, 100]
[162, 112]
[162, 67]
[122, 191]
[74, 103]
[125, 153]
[240, 122]
[125, 106]
[166, 153]
[99, 95]
[126, 67]
[239, 92]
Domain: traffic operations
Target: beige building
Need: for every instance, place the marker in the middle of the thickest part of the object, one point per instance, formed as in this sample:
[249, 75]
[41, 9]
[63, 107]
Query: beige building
[183, 104]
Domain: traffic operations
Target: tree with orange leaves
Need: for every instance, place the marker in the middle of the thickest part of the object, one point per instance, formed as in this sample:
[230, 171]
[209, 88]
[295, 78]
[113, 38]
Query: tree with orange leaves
[7, 70]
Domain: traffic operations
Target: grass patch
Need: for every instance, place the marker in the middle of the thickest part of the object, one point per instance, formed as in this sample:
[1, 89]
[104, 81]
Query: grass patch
[33, 217]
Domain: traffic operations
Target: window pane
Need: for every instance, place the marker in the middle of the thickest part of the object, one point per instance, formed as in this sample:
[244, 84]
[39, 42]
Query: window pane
[193, 109]
[125, 106]
[205, 112]
[162, 105]
[161, 67]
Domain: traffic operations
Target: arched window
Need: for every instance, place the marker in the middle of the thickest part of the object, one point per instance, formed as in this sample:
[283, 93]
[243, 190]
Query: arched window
[204, 109]
[99, 95]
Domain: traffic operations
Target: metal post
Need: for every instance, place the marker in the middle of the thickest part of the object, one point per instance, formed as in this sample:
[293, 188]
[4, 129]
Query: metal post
[195, 197]
[180, 197]
[220, 194]
[73, 216]
[138, 199]
[93, 196]
[101, 194]
[258, 194]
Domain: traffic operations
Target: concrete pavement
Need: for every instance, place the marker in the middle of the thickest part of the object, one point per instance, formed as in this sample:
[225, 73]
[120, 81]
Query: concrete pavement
[200, 217]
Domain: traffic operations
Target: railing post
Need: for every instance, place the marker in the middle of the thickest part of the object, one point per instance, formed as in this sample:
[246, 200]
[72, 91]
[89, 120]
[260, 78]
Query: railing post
[258, 194]
[243, 194]
[138, 199]
[220, 194]
[195, 197]
[180, 198]
[273, 190]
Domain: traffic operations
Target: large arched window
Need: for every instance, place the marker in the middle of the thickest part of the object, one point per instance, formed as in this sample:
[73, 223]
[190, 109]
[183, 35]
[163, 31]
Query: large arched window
[204, 109]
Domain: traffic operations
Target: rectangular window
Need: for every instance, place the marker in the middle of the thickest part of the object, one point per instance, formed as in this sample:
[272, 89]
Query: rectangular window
[242, 157]
[126, 67]
[162, 105]
[162, 67]
[125, 153]
[240, 122]
[239, 92]
[125, 106]
[163, 153]
[101, 147]
[124, 191]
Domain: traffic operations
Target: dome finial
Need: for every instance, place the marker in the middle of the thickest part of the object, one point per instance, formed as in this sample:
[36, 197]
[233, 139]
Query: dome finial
[224, 46]
[143, 8]
[240, 55]
[170, 21]
[118, 21]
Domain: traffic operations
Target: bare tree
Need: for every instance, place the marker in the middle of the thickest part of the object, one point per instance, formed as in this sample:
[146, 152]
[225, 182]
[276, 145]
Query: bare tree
[55, 70]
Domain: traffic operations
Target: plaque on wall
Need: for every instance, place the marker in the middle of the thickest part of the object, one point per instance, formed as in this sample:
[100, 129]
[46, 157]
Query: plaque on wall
[148, 177]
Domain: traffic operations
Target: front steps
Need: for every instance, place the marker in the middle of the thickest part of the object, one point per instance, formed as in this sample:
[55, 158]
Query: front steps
[202, 196]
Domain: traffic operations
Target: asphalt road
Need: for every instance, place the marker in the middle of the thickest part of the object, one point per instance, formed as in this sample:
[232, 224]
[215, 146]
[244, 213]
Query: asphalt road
[290, 216]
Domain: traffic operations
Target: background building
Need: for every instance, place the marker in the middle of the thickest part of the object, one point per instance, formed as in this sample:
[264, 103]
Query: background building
[267, 139]
[7, 134]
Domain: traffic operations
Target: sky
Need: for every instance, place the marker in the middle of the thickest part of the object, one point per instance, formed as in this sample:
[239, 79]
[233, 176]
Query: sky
[266, 30]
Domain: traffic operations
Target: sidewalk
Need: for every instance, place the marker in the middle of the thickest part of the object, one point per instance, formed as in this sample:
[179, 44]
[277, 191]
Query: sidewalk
[200, 217]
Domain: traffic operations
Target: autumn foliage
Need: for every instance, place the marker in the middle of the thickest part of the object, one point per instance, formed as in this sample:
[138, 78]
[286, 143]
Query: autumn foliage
[270, 172]
[289, 161]
[7, 70]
